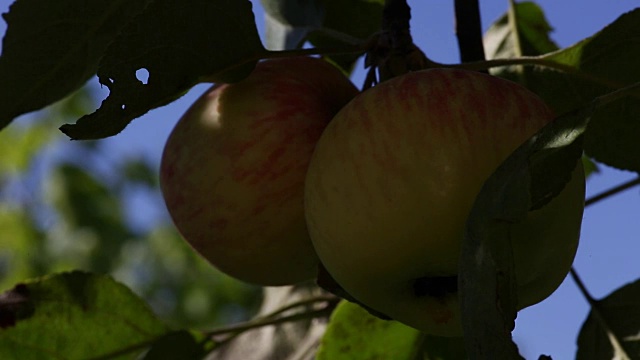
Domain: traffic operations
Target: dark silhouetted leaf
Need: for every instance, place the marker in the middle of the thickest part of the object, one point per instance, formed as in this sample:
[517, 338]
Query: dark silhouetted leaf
[322, 22]
[179, 43]
[597, 65]
[51, 48]
[440, 348]
[177, 345]
[357, 18]
[486, 279]
[14, 306]
[621, 312]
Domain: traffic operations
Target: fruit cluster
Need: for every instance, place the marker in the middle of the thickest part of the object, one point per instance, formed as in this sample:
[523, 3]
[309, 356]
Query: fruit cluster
[292, 166]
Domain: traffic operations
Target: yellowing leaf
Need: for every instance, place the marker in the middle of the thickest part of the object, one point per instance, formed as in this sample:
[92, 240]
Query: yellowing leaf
[355, 334]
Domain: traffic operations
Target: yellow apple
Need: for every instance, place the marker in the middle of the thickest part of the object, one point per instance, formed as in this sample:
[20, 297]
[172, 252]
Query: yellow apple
[392, 181]
[233, 169]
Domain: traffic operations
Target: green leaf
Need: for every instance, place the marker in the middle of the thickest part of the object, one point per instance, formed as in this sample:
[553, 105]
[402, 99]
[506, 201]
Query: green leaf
[139, 171]
[597, 65]
[86, 202]
[20, 145]
[295, 13]
[51, 48]
[609, 60]
[280, 36]
[19, 236]
[486, 277]
[288, 22]
[443, 348]
[74, 315]
[359, 19]
[532, 30]
[159, 263]
[179, 44]
[325, 23]
[177, 345]
[88, 205]
[354, 334]
[621, 312]
[590, 167]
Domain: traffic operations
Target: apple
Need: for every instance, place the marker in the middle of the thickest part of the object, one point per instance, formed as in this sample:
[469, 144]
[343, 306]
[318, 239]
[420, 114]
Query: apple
[233, 168]
[393, 178]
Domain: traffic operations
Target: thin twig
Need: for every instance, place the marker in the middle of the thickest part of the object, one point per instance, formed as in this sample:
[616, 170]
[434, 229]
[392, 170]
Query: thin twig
[613, 191]
[596, 311]
[533, 61]
[583, 289]
[236, 330]
[261, 322]
[351, 49]
[594, 303]
[304, 302]
[272, 319]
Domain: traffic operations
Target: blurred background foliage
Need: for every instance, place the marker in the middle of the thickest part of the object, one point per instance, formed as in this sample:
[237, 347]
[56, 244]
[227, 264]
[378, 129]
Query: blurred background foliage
[68, 205]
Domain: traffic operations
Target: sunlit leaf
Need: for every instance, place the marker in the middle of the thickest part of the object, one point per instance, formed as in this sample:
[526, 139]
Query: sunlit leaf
[532, 29]
[355, 334]
[18, 238]
[20, 145]
[74, 316]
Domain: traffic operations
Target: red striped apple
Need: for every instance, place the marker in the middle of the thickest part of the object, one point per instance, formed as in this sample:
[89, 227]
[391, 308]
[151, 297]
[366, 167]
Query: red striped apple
[233, 169]
[392, 181]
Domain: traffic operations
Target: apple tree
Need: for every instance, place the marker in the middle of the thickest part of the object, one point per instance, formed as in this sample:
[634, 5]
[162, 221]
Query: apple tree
[409, 217]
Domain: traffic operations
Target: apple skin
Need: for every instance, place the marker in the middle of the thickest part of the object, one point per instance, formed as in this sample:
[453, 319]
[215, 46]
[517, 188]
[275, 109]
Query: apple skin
[394, 176]
[233, 169]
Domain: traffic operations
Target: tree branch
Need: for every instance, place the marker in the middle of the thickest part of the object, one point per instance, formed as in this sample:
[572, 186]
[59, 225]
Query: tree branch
[469, 30]
[396, 15]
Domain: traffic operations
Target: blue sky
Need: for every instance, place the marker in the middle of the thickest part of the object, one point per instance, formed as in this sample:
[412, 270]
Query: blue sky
[607, 256]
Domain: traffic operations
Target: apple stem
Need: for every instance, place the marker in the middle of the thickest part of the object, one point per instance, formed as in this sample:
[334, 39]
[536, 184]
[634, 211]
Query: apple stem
[392, 51]
[468, 29]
